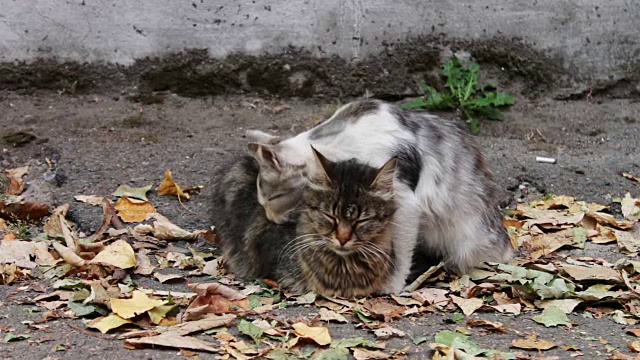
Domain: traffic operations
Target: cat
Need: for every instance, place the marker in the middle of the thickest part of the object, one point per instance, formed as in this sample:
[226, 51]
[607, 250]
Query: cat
[336, 241]
[446, 195]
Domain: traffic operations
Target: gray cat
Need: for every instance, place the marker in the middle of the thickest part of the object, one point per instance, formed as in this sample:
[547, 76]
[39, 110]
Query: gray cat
[337, 242]
[445, 192]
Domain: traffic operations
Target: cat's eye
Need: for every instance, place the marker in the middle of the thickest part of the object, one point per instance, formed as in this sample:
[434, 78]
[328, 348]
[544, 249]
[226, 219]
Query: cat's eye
[276, 196]
[331, 218]
[362, 221]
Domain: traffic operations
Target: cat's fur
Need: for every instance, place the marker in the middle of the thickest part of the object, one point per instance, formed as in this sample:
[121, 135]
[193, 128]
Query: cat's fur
[341, 245]
[444, 189]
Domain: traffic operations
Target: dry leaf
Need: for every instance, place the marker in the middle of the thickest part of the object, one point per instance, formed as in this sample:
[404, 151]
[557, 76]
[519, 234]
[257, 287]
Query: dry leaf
[595, 272]
[90, 199]
[319, 334]
[68, 255]
[468, 306]
[214, 298]
[144, 266]
[533, 343]
[17, 252]
[167, 277]
[133, 211]
[138, 304]
[382, 307]
[171, 339]
[169, 187]
[634, 332]
[631, 177]
[365, 354]
[24, 211]
[106, 323]
[630, 207]
[119, 254]
[566, 305]
[386, 332]
[139, 193]
[216, 288]
[431, 296]
[18, 172]
[627, 240]
[634, 346]
[328, 315]
[163, 229]
[491, 325]
[208, 322]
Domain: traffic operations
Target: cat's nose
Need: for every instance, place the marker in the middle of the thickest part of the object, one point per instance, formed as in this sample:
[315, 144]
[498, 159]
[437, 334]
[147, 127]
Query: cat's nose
[344, 233]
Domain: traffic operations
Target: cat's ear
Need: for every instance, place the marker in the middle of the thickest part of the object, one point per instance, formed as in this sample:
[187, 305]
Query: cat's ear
[322, 165]
[261, 137]
[265, 154]
[384, 178]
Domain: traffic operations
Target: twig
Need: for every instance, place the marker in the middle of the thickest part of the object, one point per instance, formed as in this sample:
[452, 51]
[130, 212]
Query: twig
[422, 278]
[87, 332]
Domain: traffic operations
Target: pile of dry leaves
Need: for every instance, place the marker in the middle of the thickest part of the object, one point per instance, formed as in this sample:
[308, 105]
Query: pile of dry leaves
[92, 277]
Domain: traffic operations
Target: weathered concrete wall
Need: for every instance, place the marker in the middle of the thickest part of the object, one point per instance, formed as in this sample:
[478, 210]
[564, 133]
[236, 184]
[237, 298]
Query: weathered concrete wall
[594, 40]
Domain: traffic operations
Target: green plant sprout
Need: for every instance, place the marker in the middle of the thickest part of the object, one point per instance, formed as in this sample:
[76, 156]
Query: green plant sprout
[464, 94]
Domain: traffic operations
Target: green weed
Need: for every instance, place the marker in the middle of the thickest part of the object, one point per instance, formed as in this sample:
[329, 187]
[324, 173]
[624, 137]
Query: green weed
[464, 94]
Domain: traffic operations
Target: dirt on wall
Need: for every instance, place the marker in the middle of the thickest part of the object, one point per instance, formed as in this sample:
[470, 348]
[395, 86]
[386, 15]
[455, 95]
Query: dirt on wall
[392, 74]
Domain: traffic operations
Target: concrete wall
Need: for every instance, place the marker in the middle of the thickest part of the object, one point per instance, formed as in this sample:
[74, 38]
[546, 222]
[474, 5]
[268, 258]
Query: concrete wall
[595, 39]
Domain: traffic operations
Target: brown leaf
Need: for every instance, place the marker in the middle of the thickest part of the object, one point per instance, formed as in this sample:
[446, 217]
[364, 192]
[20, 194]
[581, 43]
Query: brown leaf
[208, 322]
[431, 296]
[532, 343]
[133, 210]
[25, 211]
[328, 315]
[214, 298]
[634, 346]
[17, 252]
[365, 354]
[631, 177]
[634, 332]
[490, 325]
[216, 288]
[163, 229]
[90, 199]
[169, 187]
[382, 307]
[595, 272]
[171, 339]
[68, 255]
[167, 277]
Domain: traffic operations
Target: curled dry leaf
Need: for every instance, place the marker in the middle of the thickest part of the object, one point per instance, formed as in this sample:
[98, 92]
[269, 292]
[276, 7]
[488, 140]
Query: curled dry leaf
[68, 255]
[208, 322]
[329, 315]
[131, 210]
[119, 254]
[319, 334]
[214, 298]
[167, 277]
[366, 354]
[138, 304]
[169, 187]
[216, 288]
[382, 307]
[431, 296]
[163, 229]
[490, 325]
[631, 177]
[387, 332]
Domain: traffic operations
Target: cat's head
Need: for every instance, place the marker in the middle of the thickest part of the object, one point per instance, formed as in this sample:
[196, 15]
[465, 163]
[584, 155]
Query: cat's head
[350, 205]
[279, 184]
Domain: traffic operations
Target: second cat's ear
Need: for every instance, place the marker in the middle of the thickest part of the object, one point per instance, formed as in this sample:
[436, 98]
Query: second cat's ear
[261, 137]
[384, 178]
[322, 165]
[265, 154]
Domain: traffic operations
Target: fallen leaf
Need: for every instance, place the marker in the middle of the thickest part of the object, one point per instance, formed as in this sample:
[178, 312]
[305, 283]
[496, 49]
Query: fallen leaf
[552, 316]
[630, 207]
[328, 354]
[508, 308]
[594, 272]
[24, 211]
[382, 307]
[566, 305]
[631, 177]
[431, 296]
[251, 330]
[365, 354]
[208, 322]
[387, 332]
[137, 304]
[533, 343]
[119, 254]
[11, 337]
[491, 325]
[139, 193]
[169, 187]
[634, 346]
[627, 240]
[18, 172]
[106, 323]
[353, 342]
[90, 199]
[143, 264]
[68, 255]
[167, 277]
[634, 332]
[159, 313]
[133, 211]
[17, 252]
[171, 339]
[468, 306]
[318, 334]
[216, 288]
[214, 298]
[163, 229]
[329, 315]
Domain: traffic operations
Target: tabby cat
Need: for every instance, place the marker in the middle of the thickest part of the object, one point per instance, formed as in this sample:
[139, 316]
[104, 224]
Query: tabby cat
[445, 192]
[337, 240]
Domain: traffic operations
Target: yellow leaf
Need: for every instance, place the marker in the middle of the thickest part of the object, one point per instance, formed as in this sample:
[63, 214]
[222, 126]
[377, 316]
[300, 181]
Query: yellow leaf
[119, 254]
[319, 334]
[160, 312]
[106, 323]
[139, 303]
[169, 187]
[90, 199]
[532, 342]
[133, 210]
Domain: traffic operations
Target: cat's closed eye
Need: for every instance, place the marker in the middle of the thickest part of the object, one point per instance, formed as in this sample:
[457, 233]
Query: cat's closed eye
[276, 196]
[332, 219]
